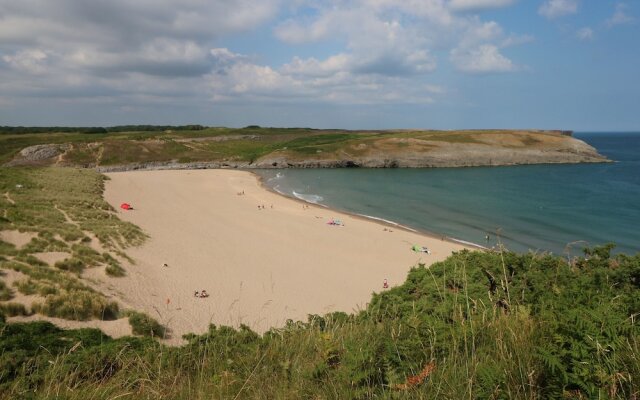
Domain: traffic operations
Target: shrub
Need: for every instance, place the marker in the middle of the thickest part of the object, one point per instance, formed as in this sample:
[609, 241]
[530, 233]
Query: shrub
[142, 324]
[13, 309]
[79, 305]
[71, 264]
[29, 286]
[5, 292]
[113, 268]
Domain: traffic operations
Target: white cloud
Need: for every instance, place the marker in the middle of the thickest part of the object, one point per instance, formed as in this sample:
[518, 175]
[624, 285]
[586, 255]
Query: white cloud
[619, 16]
[32, 61]
[481, 60]
[516, 40]
[146, 36]
[137, 53]
[332, 80]
[397, 37]
[465, 5]
[585, 33]
[557, 8]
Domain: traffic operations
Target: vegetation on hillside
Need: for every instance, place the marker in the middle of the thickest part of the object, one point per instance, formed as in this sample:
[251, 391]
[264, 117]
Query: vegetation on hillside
[64, 211]
[478, 325]
[195, 143]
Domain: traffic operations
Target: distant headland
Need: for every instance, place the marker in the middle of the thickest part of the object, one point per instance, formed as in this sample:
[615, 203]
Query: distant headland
[194, 146]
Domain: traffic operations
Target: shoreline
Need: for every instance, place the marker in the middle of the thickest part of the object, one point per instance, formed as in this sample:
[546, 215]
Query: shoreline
[261, 265]
[371, 218]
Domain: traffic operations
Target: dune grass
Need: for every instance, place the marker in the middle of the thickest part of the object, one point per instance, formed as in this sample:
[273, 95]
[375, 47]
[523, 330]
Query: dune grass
[63, 207]
[478, 325]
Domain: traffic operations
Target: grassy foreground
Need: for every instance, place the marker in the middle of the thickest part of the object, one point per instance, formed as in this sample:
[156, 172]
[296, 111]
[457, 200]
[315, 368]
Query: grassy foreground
[474, 326]
[477, 325]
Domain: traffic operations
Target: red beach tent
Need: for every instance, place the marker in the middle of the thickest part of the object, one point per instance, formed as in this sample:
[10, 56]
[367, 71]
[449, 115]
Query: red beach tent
[126, 206]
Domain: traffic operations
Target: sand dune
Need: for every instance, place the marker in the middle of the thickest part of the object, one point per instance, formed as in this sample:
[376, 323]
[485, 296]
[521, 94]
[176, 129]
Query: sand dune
[260, 266]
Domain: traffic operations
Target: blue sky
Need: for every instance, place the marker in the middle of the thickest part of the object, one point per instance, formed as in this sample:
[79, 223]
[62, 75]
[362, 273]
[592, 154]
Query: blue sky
[360, 64]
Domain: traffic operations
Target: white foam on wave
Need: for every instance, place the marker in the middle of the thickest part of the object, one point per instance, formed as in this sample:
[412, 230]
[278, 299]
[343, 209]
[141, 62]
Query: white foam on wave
[309, 198]
[279, 175]
[387, 221]
[467, 243]
[277, 189]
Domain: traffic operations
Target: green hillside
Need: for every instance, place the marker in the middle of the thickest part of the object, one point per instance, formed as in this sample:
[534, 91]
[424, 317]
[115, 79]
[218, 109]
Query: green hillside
[283, 147]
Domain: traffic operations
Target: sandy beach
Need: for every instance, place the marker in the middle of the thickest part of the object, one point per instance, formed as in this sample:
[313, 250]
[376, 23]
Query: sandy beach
[261, 266]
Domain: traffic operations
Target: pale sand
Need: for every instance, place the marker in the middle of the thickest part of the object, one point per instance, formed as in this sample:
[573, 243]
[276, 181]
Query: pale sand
[261, 267]
[17, 238]
[52, 257]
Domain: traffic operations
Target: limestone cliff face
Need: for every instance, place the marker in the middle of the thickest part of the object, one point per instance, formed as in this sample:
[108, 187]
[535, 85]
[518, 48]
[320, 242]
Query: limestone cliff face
[477, 150]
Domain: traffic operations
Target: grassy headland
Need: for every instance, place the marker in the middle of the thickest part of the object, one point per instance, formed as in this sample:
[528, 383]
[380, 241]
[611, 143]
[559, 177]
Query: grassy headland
[255, 147]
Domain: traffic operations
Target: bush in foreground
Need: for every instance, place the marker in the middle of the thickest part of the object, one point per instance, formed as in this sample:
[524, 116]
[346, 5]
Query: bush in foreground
[478, 325]
[142, 324]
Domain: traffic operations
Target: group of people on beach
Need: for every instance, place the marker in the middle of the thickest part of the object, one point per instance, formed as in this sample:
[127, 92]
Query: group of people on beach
[203, 294]
[262, 207]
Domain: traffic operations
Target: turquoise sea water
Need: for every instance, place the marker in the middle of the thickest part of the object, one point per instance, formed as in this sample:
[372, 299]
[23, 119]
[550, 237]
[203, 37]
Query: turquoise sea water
[537, 207]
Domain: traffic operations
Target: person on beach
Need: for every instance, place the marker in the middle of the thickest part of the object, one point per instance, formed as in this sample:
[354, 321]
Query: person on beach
[204, 294]
[196, 294]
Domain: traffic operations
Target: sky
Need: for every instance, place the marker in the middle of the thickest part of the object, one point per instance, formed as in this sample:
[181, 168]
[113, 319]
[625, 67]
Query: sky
[353, 64]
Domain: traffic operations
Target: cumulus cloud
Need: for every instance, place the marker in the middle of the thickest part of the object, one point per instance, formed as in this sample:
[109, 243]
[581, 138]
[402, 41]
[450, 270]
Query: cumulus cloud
[136, 53]
[481, 60]
[465, 5]
[32, 61]
[133, 53]
[619, 16]
[396, 37]
[335, 79]
[156, 37]
[585, 33]
[558, 8]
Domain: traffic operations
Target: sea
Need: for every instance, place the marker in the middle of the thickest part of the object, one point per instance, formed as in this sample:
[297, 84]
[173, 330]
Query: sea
[557, 208]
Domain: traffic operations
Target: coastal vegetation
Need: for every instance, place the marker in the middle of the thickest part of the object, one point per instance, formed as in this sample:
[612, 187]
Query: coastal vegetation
[258, 147]
[62, 211]
[478, 325]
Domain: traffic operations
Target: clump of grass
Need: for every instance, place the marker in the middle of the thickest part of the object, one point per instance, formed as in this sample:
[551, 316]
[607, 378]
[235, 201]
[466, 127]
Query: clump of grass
[79, 305]
[114, 271]
[5, 292]
[30, 287]
[7, 248]
[13, 309]
[142, 324]
[43, 243]
[71, 264]
[113, 266]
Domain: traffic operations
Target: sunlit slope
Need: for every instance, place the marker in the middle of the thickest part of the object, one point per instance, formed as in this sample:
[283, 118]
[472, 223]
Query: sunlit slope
[302, 148]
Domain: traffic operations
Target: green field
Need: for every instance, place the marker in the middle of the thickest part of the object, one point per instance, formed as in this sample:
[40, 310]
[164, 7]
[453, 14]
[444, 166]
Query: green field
[478, 325]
